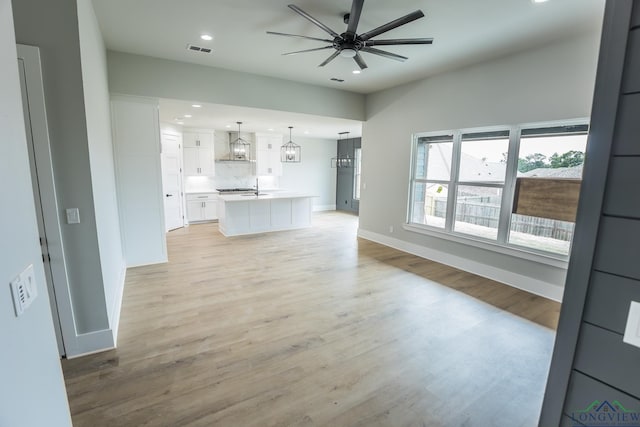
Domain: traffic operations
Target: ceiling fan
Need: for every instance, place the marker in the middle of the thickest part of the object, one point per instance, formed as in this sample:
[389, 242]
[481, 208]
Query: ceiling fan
[349, 44]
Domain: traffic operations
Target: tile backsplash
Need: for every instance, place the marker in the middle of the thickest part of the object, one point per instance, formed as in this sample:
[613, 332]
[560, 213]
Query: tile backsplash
[229, 175]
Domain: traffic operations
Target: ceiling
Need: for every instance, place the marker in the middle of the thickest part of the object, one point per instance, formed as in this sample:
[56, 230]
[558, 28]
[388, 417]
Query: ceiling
[224, 117]
[465, 32]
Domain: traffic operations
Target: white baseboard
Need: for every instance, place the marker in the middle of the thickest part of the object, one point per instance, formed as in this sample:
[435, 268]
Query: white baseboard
[510, 278]
[322, 208]
[116, 308]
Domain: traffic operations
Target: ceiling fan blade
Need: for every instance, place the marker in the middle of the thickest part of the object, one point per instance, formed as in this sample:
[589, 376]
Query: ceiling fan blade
[307, 50]
[385, 54]
[329, 59]
[393, 24]
[354, 16]
[390, 42]
[360, 61]
[313, 20]
[296, 35]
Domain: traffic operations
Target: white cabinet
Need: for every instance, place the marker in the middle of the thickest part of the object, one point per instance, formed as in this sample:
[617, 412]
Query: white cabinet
[268, 154]
[198, 154]
[202, 207]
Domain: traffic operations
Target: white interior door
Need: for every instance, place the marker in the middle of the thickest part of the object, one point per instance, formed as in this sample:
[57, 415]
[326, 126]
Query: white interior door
[172, 180]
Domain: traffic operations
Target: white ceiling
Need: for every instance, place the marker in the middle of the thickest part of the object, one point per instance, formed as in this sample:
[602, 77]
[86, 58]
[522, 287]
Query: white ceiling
[465, 32]
[224, 117]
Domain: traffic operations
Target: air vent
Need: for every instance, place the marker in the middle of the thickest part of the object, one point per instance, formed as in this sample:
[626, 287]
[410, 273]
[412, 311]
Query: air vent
[334, 79]
[195, 48]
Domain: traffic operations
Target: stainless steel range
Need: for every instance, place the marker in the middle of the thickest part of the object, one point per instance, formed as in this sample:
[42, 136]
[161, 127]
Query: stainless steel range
[236, 190]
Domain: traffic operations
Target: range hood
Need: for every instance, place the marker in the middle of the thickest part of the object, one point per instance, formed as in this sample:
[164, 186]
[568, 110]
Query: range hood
[239, 148]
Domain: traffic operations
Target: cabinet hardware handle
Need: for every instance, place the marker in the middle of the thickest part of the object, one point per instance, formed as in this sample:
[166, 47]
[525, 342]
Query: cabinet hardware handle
[169, 195]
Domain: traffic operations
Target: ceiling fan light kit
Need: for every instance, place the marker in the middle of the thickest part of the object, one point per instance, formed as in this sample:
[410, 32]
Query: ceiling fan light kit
[349, 44]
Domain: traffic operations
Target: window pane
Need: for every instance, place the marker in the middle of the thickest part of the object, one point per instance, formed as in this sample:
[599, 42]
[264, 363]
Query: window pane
[552, 156]
[433, 160]
[429, 204]
[541, 233]
[478, 211]
[483, 160]
[558, 155]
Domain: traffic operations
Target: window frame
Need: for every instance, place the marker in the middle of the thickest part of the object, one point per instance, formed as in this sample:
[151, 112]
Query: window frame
[501, 244]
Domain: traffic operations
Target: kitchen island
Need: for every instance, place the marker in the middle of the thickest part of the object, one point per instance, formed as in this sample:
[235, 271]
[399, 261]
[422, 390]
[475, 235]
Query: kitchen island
[240, 214]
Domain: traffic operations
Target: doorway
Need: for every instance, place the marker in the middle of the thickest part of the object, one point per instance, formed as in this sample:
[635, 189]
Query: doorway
[44, 195]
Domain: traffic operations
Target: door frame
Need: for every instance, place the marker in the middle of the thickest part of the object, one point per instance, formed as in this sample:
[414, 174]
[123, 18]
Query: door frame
[38, 138]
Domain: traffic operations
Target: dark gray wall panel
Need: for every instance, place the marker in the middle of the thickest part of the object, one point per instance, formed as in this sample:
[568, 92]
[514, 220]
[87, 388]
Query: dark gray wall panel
[584, 390]
[607, 299]
[628, 126]
[622, 197]
[631, 79]
[618, 247]
[635, 21]
[568, 422]
[602, 354]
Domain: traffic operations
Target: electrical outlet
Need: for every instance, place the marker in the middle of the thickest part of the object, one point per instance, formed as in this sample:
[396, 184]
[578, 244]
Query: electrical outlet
[24, 290]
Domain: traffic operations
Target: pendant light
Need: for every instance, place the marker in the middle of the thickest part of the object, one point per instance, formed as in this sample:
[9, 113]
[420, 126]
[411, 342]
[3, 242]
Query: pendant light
[240, 149]
[341, 161]
[290, 152]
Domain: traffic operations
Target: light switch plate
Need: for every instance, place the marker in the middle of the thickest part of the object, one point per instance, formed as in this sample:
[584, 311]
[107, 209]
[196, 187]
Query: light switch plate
[24, 290]
[632, 331]
[73, 216]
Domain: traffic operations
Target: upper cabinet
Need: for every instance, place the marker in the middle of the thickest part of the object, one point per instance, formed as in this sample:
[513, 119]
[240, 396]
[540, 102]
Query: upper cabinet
[198, 153]
[268, 154]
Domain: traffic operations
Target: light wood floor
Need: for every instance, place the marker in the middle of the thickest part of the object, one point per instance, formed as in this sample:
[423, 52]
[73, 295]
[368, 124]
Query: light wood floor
[313, 328]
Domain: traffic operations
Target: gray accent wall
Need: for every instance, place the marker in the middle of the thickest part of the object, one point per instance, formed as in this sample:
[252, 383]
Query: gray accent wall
[162, 78]
[345, 176]
[590, 361]
[551, 83]
[33, 390]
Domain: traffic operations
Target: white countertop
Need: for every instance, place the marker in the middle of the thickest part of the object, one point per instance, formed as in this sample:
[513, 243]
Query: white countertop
[202, 192]
[262, 196]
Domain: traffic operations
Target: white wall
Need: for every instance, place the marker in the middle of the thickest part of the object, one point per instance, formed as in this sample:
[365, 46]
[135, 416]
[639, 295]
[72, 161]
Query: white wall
[136, 138]
[54, 29]
[153, 77]
[549, 83]
[313, 174]
[33, 391]
[97, 108]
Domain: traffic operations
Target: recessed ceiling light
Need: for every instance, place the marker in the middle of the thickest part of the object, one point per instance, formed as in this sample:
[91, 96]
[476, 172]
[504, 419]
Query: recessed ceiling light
[206, 37]
[187, 116]
[270, 129]
[196, 105]
[356, 71]
[180, 123]
[306, 132]
[228, 126]
[539, 1]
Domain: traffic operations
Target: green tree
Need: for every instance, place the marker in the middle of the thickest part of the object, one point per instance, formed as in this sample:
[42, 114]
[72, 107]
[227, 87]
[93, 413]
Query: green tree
[566, 160]
[532, 161]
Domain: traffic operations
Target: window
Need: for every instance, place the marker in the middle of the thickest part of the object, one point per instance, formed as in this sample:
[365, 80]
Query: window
[357, 173]
[463, 183]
